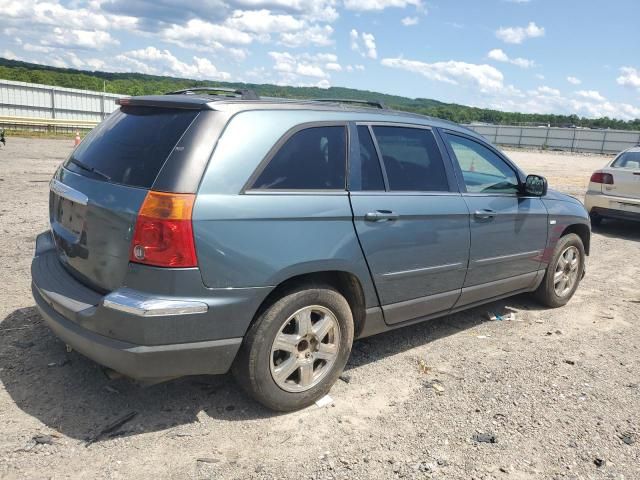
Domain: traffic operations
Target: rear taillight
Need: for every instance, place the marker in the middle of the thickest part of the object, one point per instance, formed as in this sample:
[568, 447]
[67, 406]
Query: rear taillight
[601, 177]
[163, 235]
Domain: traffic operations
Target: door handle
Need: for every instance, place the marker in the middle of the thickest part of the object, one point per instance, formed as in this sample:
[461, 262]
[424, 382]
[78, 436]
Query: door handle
[484, 214]
[381, 216]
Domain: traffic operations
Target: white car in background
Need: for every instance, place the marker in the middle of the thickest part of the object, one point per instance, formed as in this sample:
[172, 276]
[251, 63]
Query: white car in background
[614, 191]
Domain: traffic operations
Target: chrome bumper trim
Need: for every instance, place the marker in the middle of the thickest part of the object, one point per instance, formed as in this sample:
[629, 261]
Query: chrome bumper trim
[135, 303]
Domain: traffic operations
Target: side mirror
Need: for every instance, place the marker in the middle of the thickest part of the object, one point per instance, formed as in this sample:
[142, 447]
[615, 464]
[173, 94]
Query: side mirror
[536, 186]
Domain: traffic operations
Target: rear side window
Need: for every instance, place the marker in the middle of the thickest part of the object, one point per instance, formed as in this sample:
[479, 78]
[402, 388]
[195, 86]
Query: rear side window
[131, 145]
[411, 159]
[370, 173]
[628, 160]
[312, 159]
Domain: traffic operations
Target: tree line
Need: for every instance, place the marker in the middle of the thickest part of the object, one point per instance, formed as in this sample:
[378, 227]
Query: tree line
[142, 84]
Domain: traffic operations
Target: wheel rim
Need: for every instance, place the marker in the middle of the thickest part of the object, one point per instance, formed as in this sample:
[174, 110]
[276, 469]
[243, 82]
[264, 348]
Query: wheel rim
[566, 272]
[305, 349]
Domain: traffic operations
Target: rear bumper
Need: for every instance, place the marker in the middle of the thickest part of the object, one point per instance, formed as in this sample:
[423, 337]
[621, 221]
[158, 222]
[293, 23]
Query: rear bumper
[138, 334]
[139, 361]
[609, 206]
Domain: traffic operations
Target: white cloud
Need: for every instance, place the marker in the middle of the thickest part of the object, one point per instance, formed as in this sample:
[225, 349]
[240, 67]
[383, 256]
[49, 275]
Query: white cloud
[500, 56]
[365, 5]
[81, 39]
[519, 34]
[162, 62]
[484, 77]
[591, 94]
[297, 69]
[544, 90]
[539, 76]
[319, 36]
[200, 32]
[263, 21]
[410, 21]
[8, 54]
[574, 80]
[363, 43]
[630, 77]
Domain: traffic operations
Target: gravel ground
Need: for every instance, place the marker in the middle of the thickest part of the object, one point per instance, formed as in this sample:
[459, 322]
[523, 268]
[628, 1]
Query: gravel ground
[554, 394]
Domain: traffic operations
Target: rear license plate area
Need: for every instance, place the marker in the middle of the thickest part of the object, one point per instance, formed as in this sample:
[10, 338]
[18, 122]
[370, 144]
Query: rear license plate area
[70, 216]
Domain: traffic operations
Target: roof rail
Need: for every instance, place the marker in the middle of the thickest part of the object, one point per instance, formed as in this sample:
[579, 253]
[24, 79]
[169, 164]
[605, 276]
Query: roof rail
[372, 103]
[244, 94]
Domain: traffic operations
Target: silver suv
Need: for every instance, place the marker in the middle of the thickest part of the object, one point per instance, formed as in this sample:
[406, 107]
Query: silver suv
[194, 233]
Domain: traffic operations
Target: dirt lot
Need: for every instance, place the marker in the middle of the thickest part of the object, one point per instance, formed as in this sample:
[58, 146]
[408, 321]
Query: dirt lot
[559, 389]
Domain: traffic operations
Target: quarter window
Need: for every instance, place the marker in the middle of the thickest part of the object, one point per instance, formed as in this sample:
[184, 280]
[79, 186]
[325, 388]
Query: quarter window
[312, 159]
[482, 170]
[411, 159]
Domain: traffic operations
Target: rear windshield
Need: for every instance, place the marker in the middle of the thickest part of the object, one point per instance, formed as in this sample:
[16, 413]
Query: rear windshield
[628, 160]
[131, 145]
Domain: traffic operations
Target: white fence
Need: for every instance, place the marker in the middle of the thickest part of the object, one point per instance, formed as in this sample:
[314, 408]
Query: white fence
[31, 100]
[571, 139]
[33, 106]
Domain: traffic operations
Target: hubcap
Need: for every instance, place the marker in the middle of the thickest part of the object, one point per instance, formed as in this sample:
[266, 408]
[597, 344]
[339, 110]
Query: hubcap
[566, 272]
[305, 349]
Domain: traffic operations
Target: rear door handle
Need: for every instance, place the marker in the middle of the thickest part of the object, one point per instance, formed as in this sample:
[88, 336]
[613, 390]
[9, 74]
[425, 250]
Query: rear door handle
[381, 216]
[484, 214]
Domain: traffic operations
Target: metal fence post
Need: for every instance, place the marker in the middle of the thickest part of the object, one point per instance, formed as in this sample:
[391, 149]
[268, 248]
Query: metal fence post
[604, 140]
[573, 141]
[520, 139]
[546, 138]
[53, 102]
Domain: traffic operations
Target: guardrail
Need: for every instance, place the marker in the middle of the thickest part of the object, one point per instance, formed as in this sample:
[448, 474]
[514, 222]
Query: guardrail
[45, 125]
[555, 138]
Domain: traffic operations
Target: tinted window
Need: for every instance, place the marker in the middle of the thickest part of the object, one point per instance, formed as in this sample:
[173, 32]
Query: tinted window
[131, 145]
[371, 175]
[483, 171]
[412, 159]
[312, 159]
[628, 160]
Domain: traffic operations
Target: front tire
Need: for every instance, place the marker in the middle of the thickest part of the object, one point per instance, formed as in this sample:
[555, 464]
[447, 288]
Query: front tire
[596, 219]
[296, 349]
[564, 272]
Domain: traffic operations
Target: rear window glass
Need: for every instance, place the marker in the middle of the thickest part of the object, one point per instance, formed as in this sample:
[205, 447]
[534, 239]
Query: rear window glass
[628, 160]
[312, 159]
[131, 145]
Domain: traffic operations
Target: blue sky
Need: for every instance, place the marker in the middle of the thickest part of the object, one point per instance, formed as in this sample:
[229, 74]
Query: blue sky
[545, 56]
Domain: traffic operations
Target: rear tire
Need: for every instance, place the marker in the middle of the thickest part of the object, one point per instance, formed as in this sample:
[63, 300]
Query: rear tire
[564, 272]
[296, 349]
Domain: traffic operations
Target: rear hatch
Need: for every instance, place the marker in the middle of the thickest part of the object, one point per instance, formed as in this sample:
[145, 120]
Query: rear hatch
[95, 197]
[626, 175]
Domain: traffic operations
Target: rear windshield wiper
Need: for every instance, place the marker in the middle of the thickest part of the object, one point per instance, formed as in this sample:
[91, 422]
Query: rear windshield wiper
[88, 168]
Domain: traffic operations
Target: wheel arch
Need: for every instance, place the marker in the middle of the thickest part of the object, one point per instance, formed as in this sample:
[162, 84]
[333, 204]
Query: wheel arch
[583, 231]
[346, 283]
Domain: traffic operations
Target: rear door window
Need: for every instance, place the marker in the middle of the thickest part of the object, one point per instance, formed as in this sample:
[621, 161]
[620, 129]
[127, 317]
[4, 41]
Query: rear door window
[131, 145]
[312, 159]
[412, 159]
[370, 173]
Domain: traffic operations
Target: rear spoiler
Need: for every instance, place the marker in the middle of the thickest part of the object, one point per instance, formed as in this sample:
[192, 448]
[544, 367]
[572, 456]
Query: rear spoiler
[167, 101]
